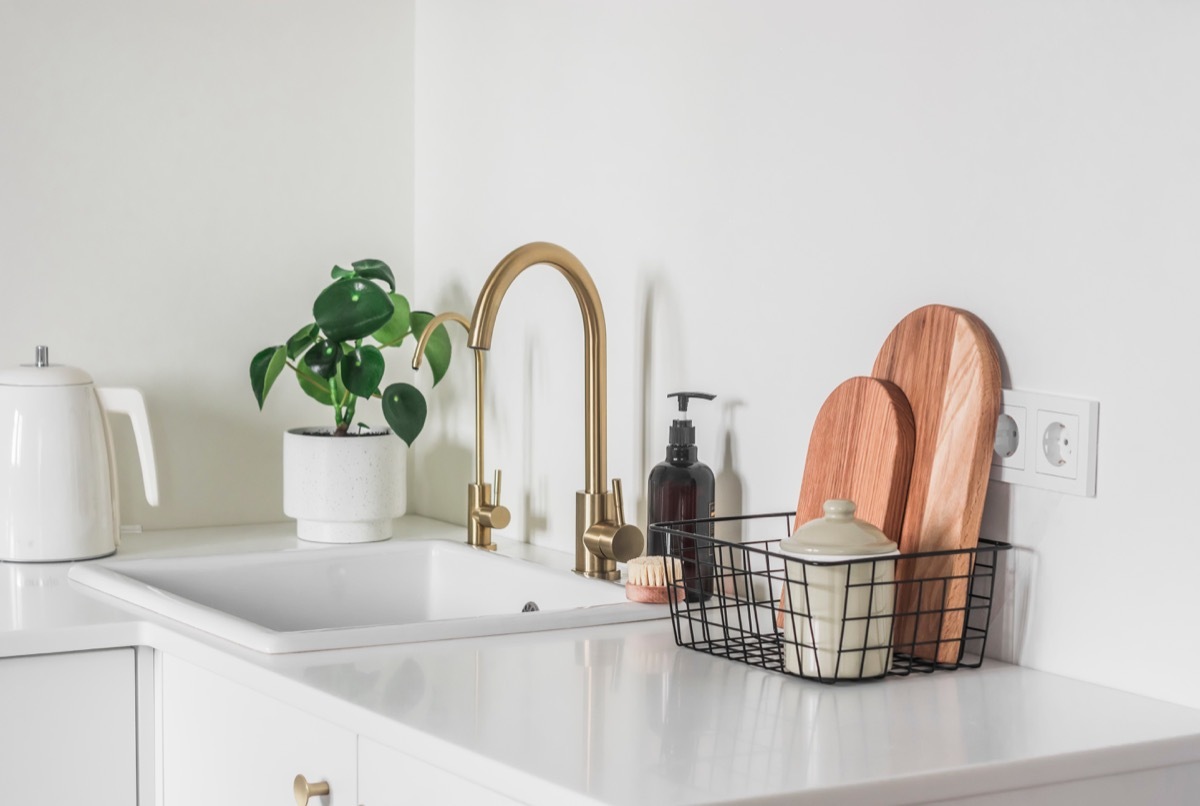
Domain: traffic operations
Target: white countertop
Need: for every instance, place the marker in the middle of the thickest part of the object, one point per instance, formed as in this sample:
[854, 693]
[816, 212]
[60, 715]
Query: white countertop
[619, 714]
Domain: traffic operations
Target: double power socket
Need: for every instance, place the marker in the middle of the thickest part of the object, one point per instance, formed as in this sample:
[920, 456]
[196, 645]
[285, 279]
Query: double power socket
[1046, 441]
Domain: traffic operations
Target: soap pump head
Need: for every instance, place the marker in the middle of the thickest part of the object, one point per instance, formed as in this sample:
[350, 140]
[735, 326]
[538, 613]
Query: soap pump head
[682, 444]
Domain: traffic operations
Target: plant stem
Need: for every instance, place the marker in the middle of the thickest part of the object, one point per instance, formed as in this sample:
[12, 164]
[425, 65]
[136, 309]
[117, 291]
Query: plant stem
[342, 419]
[337, 411]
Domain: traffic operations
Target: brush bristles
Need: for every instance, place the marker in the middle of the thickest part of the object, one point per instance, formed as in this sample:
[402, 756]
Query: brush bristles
[653, 571]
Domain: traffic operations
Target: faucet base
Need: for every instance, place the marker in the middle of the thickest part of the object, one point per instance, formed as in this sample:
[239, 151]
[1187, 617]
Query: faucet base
[478, 535]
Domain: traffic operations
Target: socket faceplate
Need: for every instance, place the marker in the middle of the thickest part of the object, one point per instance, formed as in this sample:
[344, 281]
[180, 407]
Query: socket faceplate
[1056, 442]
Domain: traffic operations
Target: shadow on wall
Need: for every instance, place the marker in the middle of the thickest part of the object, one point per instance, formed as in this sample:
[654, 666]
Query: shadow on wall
[642, 436]
[662, 365]
[184, 427]
[1016, 570]
[1016, 573]
[448, 455]
[533, 502]
[730, 494]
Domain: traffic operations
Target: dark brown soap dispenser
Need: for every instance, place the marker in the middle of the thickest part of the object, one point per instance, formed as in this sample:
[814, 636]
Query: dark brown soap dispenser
[683, 488]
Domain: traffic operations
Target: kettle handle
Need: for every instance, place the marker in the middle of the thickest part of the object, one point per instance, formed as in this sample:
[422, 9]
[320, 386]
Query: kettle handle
[130, 401]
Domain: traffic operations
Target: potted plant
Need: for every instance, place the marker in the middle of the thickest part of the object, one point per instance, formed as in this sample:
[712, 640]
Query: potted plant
[346, 483]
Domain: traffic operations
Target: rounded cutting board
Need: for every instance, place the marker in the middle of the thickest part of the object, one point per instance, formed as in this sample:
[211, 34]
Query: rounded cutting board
[945, 362]
[861, 449]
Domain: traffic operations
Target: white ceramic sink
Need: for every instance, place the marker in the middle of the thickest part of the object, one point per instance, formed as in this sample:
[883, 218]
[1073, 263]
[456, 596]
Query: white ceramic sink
[382, 593]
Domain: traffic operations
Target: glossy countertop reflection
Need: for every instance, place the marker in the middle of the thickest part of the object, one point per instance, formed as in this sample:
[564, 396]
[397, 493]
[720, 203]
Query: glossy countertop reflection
[619, 714]
[623, 715]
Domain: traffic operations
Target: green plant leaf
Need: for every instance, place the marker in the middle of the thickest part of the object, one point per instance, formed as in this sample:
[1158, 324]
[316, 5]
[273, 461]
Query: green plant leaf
[362, 370]
[351, 308]
[338, 273]
[264, 369]
[304, 338]
[404, 408]
[375, 270]
[313, 385]
[322, 358]
[437, 351]
[398, 326]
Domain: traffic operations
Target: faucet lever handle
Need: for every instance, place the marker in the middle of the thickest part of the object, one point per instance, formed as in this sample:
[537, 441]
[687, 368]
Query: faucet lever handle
[611, 537]
[618, 502]
[489, 513]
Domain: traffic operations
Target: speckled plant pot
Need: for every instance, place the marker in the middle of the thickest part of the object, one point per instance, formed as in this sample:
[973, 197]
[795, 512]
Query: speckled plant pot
[343, 489]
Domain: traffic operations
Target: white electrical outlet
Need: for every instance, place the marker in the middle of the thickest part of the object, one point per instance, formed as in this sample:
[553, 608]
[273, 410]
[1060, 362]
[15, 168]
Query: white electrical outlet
[1009, 447]
[1059, 435]
[1054, 445]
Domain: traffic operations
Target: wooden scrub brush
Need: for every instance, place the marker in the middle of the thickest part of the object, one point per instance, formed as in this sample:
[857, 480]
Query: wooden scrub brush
[650, 579]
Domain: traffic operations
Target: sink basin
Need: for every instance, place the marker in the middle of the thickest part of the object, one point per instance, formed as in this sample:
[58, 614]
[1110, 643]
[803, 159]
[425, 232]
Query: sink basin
[364, 595]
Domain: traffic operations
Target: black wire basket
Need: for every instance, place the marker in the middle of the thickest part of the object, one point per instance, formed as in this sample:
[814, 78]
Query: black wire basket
[866, 618]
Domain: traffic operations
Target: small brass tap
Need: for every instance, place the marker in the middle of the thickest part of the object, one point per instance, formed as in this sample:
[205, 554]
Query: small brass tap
[602, 538]
[483, 512]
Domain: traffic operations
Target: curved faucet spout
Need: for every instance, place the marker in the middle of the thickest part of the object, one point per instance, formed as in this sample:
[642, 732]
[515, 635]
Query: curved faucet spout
[602, 538]
[595, 394]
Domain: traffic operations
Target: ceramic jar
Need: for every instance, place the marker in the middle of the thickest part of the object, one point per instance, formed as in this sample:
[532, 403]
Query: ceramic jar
[841, 595]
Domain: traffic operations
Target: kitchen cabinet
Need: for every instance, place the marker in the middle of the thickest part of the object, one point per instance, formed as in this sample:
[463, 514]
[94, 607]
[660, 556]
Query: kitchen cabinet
[387, 777]
[223, 743]
[69, 728]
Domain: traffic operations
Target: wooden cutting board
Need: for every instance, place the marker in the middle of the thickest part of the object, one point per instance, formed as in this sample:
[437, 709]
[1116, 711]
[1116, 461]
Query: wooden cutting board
[945, 362]
[861, 448]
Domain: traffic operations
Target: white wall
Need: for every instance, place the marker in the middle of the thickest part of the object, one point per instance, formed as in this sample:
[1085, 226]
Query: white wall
[762, 190]
[176, 180]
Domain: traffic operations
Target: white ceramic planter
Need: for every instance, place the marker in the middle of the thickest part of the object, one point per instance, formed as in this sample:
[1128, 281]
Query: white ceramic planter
[343, 489]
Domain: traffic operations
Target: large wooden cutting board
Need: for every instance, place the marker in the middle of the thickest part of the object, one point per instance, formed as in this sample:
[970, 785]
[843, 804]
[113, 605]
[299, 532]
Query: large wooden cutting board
[944, 361]
[861, 449]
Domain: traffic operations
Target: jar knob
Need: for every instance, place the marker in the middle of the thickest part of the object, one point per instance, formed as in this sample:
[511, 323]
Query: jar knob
[840, 509]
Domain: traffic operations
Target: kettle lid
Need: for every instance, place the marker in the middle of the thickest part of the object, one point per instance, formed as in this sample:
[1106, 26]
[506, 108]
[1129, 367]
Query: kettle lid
[42, 373]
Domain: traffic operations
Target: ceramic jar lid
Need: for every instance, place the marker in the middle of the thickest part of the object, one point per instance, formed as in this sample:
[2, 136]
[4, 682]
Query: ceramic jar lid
[838, 533]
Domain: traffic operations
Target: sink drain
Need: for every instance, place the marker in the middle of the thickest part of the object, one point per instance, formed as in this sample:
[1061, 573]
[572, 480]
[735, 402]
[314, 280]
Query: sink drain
[530, 607]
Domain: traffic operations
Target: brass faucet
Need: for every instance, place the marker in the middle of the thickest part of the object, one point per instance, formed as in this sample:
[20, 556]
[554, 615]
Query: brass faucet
[483, 513]
[602, 538]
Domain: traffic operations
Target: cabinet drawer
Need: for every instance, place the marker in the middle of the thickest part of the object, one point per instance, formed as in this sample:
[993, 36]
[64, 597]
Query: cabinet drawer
[69, 728]
[226, 744]
[387, 777]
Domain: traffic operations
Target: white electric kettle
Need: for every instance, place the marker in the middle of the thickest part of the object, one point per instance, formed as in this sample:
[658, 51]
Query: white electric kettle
[58, 476]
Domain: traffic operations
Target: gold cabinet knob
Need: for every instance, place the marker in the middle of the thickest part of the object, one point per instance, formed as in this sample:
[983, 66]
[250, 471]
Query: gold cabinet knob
[303, 790]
